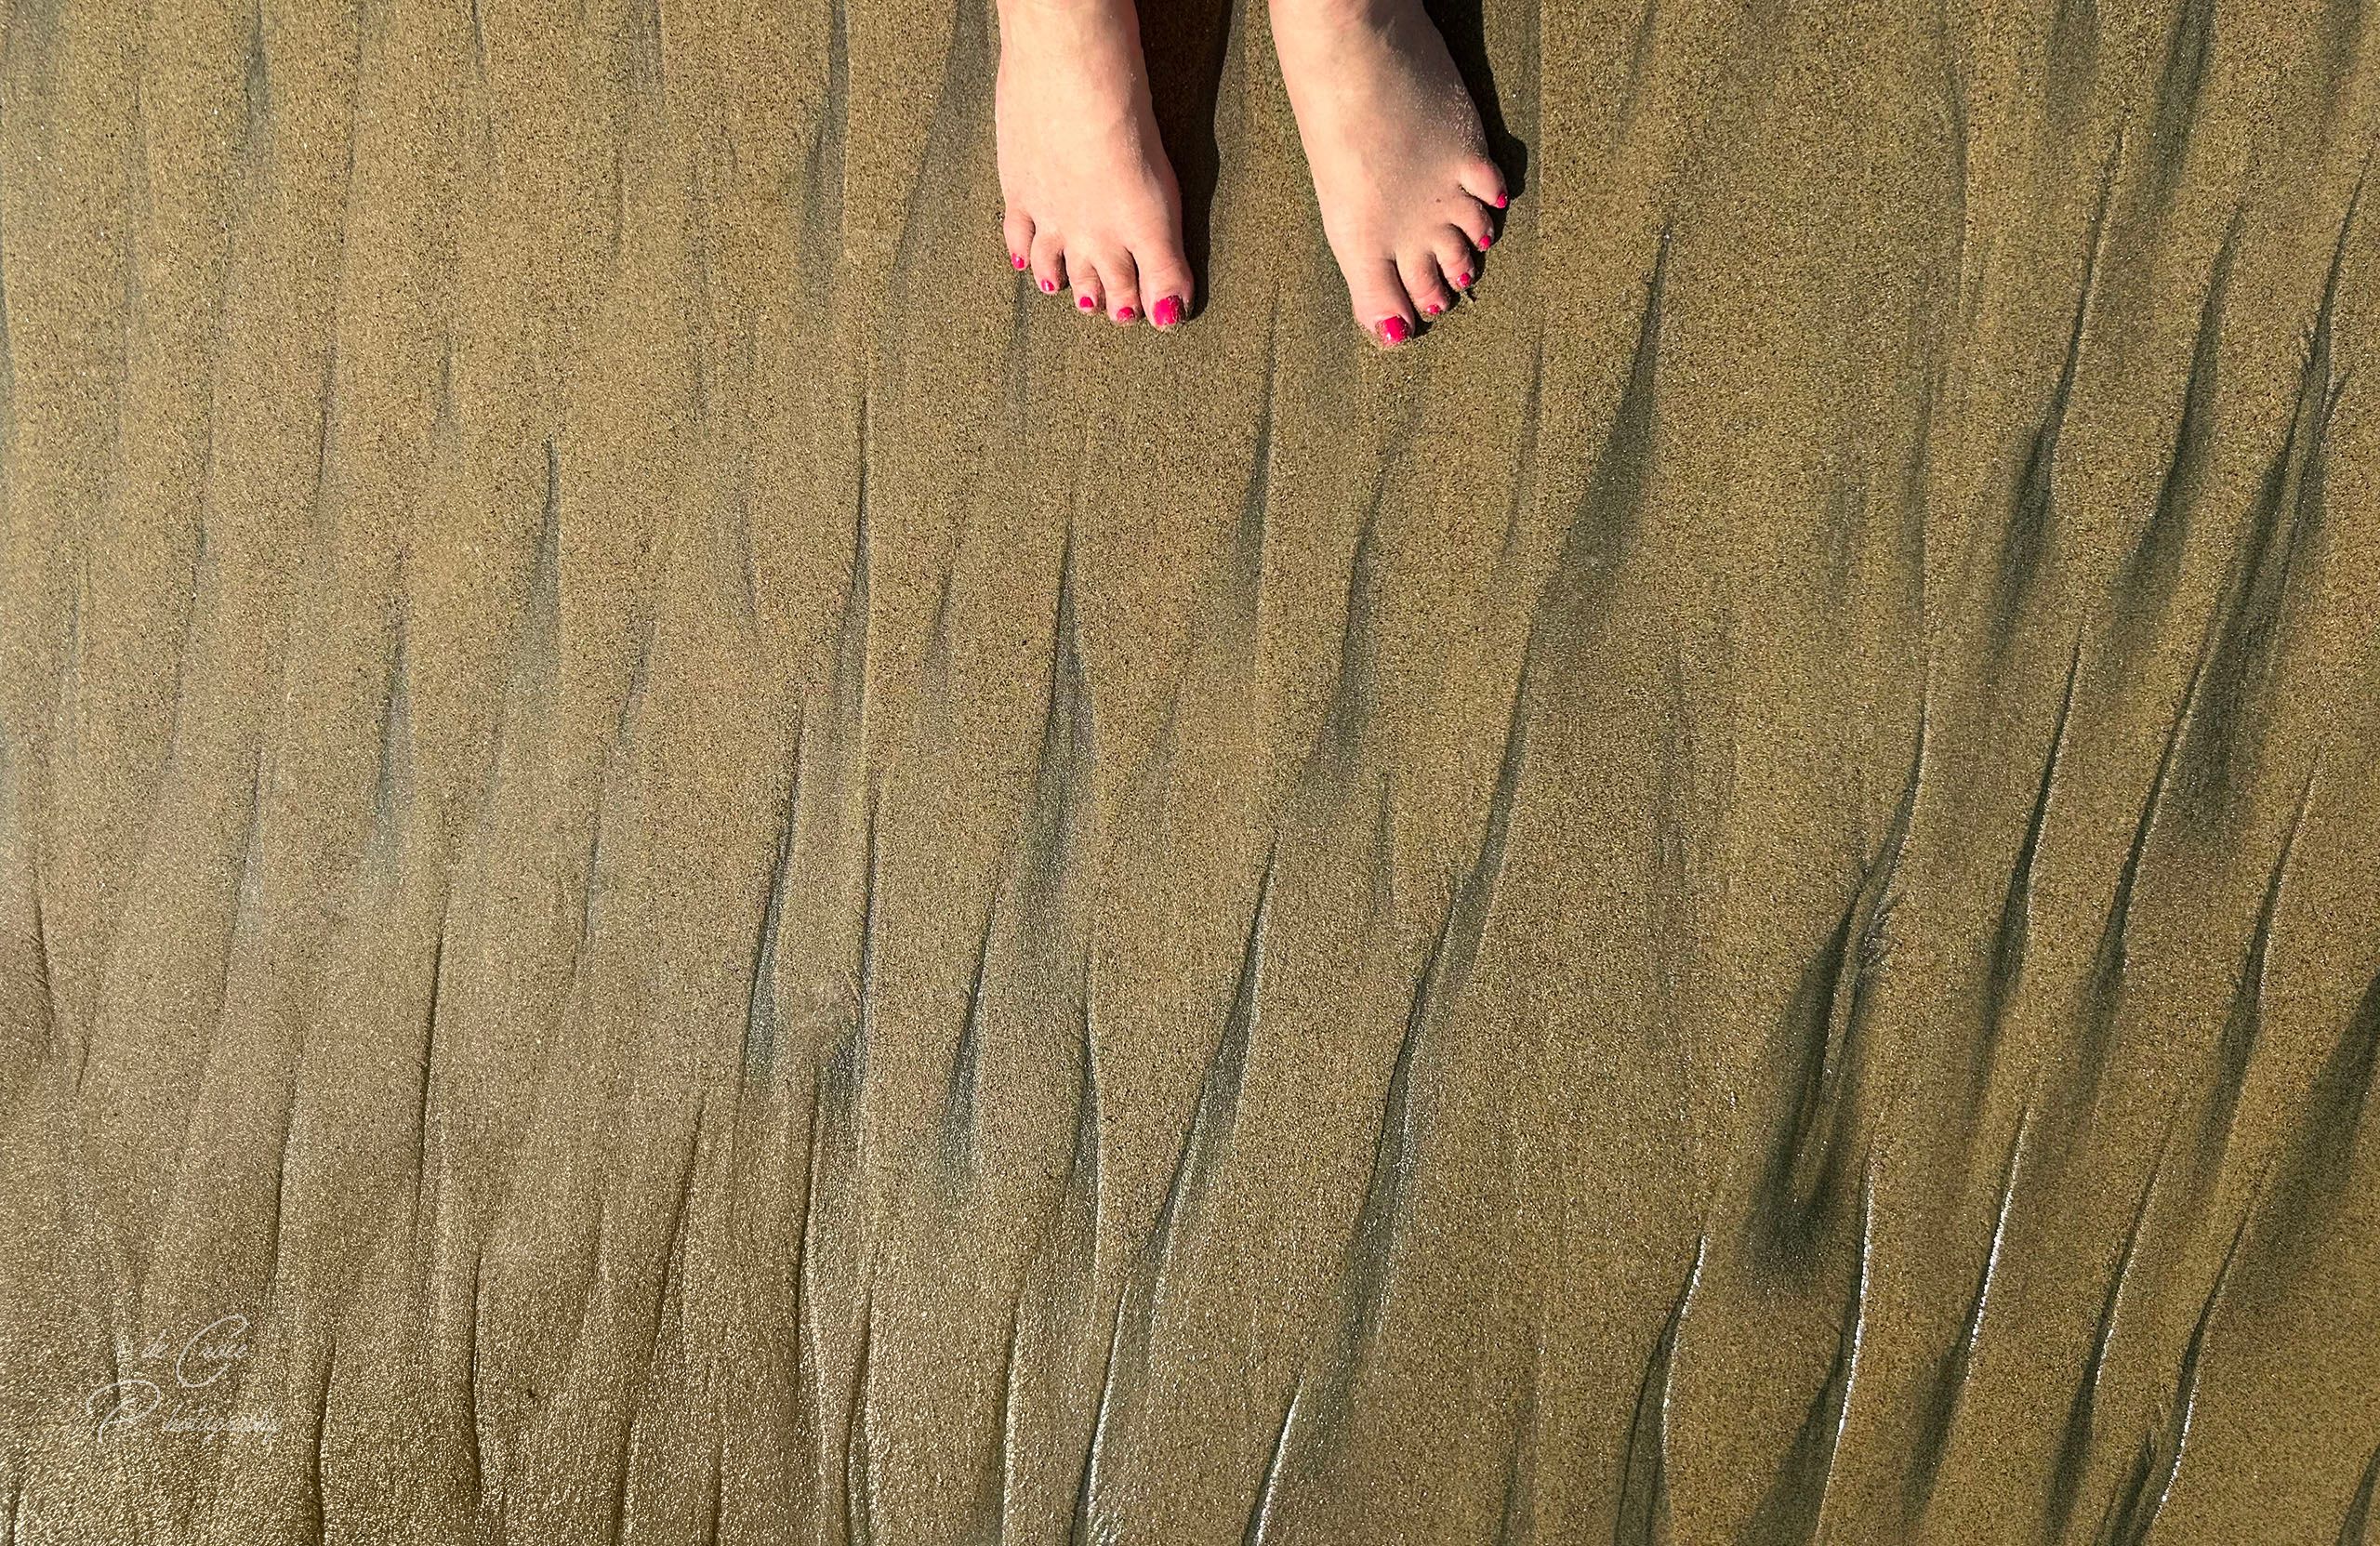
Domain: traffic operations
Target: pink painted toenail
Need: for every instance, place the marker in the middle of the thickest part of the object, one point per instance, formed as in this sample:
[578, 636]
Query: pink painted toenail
[1125, 313]
[1393, 330]
[1462, 282]
[1488, 241]
[1018, 261]
[1049, 286]
[1083, 301]
[1432, 309]
[1501, 201]
[1167, 311]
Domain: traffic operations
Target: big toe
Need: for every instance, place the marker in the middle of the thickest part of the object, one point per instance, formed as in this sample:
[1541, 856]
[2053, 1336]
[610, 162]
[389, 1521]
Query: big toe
[1382, 308]
[1165, 283]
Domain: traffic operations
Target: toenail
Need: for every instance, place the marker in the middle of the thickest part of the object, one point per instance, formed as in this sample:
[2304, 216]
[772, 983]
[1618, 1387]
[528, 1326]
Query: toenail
[1167, 311]
[1049, 286]
[1501, 201]
[1018, 261]
[1488, 241]
[1462, 282]
[1083, 301]
[1393, 330]
[1432, 309]
[1125, 313]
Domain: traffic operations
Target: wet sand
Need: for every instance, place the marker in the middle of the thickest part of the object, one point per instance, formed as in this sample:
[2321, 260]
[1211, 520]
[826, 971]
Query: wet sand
[675, 867]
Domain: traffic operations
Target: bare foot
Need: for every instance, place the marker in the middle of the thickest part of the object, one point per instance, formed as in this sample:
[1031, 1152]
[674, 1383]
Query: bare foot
[1092, 201]
[1400, 163]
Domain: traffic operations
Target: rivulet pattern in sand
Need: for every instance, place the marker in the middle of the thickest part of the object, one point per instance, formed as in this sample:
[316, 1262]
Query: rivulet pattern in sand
[675, 866]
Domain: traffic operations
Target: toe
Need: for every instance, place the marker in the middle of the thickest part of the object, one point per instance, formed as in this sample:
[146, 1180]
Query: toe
[1122, 277]
[1017, 231]
[1455, 257]
[1484, 180]
[1419, 270]
[1381, 308]
[1165, 283]
[1087, 283]
[1474, 223]
[1049, 262]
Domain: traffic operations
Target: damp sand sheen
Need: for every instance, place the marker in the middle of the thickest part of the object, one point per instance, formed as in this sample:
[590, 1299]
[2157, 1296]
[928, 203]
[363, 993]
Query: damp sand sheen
[674, 866]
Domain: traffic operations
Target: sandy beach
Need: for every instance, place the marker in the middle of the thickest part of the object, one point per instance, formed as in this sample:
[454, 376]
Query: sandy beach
[677, 866]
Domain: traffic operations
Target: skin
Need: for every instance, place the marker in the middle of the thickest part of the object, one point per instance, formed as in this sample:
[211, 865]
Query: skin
[1093, 206]
[1400, 165]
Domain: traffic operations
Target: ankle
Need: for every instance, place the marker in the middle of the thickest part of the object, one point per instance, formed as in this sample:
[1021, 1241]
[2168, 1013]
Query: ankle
[1065, 9]
[1085, 28]
[1335, 15]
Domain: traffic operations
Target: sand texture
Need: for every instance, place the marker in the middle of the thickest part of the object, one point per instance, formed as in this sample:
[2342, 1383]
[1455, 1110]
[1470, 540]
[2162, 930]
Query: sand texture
[675, 867]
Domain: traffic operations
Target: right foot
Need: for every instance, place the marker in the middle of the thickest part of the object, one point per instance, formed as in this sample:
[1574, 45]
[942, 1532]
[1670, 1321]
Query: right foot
[1093, 206]
[1400, 164]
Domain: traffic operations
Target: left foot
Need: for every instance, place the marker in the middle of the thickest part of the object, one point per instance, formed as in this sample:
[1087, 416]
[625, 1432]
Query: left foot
[1093, 206]
[1400, 164]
